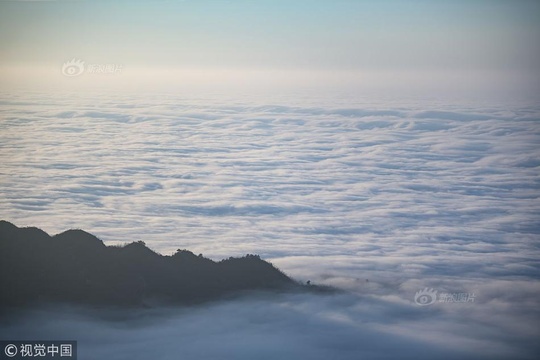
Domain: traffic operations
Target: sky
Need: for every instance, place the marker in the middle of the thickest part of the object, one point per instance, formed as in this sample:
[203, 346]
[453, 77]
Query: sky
[476, 48]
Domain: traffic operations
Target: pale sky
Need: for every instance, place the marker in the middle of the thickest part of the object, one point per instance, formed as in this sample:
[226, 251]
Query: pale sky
[470, 45]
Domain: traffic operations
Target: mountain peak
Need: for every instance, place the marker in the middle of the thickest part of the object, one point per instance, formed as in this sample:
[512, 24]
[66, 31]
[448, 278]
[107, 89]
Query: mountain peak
[78, 237]
[75, 266]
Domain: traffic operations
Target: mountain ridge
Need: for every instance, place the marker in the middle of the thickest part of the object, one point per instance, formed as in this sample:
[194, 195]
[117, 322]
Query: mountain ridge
[77, 267]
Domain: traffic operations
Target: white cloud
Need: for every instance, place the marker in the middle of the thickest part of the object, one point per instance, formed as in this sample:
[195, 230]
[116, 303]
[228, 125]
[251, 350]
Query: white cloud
[404, 195]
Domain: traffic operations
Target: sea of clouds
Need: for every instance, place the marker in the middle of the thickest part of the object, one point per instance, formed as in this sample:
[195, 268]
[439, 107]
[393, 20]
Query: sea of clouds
[382, 199]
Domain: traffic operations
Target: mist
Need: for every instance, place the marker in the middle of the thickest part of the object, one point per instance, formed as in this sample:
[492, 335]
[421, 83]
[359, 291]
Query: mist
[346, 326]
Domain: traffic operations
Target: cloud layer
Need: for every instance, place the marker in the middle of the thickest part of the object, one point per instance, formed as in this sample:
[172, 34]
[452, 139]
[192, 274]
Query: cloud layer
[407, 196]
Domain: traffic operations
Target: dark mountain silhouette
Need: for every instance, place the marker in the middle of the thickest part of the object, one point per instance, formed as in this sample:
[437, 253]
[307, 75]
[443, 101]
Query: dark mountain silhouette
[76, 267]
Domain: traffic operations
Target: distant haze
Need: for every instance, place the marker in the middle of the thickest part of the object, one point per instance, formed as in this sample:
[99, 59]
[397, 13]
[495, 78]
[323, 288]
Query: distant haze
[472, 48]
